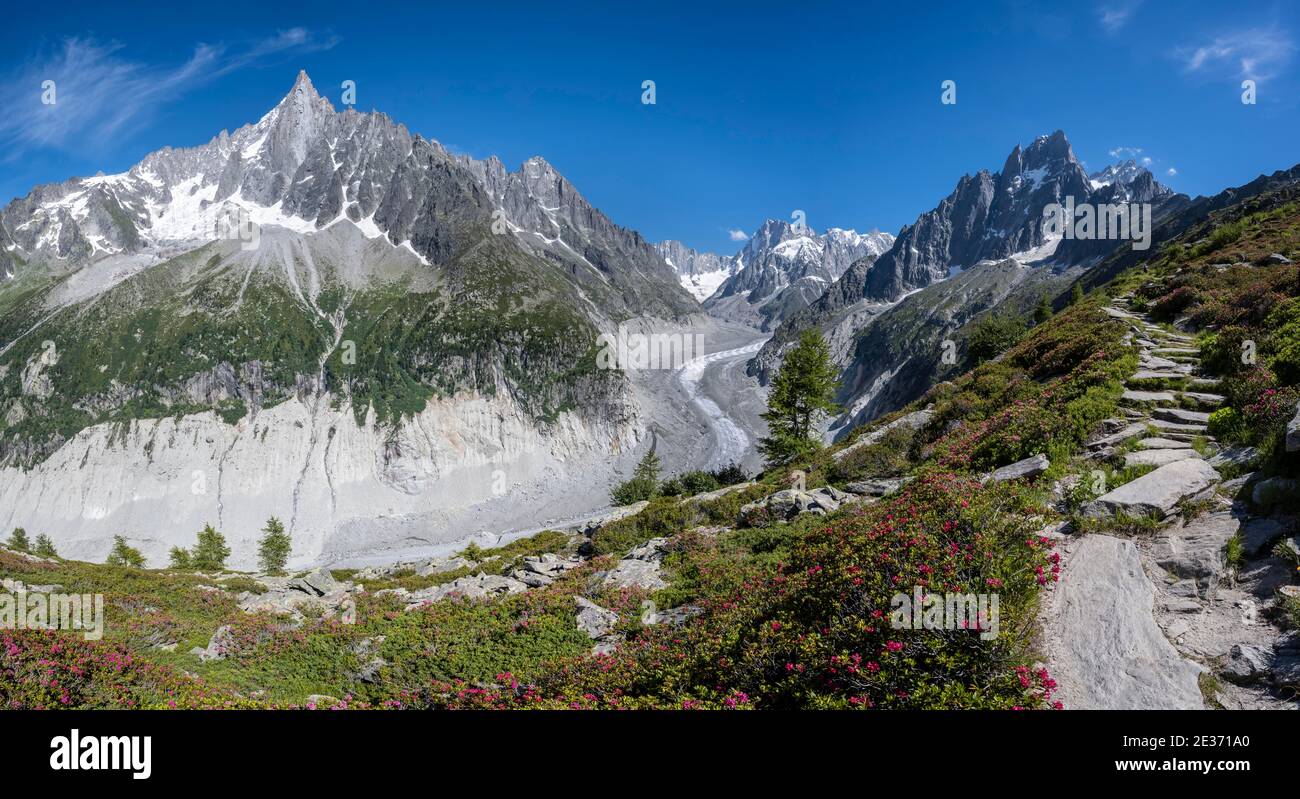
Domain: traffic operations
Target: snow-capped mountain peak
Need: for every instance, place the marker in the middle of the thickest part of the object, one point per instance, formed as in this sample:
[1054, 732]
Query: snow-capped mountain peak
[306, 167]
[1124, 173]
[783, 267]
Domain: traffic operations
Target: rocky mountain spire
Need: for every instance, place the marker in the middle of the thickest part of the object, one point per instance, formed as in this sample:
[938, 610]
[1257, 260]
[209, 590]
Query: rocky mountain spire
[299, 120]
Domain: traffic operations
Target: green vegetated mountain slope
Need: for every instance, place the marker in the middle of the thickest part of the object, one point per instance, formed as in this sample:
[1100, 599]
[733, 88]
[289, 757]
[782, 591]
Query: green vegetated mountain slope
[220, 328]
[754, 597]
[901, 353]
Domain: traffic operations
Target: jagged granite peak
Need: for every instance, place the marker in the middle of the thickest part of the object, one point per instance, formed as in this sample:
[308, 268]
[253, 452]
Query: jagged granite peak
[472, 296]
[305, 166]
[990, 217]
[1124, 172]
[298, 122]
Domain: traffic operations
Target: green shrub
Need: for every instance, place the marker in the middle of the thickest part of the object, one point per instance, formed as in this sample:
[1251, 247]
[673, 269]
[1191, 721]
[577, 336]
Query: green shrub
[664, 516]
[994, 335]
[123, 554]
[273, 550]
[731, 474]
[45, 547]
[18, 541]
[672, 487]
[1225, 424]
[699, 483]
[1224, 235]
[1235, 552]
[643, 485]
[890, 455]
[726, 508]
[1283, 347]
[210, 552]
[179, 558]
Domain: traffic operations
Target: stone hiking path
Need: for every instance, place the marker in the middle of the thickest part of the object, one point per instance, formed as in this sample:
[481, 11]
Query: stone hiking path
[1134, 623]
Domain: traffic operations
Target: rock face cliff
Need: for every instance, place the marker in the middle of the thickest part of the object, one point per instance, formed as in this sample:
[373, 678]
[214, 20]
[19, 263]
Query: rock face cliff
[304, 312]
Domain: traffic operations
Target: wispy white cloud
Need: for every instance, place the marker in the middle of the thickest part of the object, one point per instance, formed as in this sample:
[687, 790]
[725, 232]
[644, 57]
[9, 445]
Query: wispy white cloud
[1171, 172]
[99, 92]
[1114, 16]
[1126, 152]
[294, 40]
[738, 235]
[1258, 54]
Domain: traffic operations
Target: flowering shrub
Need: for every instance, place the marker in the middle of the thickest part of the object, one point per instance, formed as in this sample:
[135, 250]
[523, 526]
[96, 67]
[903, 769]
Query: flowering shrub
[1174, 303]
[815, 631]
[1007, 416]
[42, 670]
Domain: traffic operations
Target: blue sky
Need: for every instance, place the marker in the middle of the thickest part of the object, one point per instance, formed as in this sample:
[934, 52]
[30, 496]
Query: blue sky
[761, 108]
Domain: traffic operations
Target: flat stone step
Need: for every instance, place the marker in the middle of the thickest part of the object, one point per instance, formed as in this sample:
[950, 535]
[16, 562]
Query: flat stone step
[1102, 642]
[1137, 395]
[1156, 493]
[1160, 332]
[1176, 351]
[1159, 457]
[1158, 374]
[1163, 443]
[1131, 431]
[1178, 427]
[1181, 415]
[1204, 399]
[1166, 341]
[1152, 362]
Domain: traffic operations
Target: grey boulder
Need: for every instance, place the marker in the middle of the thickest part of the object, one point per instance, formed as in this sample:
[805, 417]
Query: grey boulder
[1029, 467]
[1156, 493]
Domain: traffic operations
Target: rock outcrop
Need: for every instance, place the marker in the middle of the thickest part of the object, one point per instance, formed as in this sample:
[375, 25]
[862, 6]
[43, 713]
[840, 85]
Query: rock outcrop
[1106, 650]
